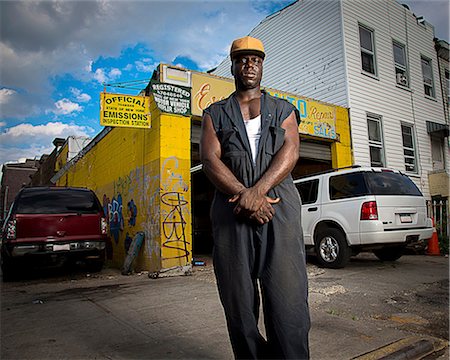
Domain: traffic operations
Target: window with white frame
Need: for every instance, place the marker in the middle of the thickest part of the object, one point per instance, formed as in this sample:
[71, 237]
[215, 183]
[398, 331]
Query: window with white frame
[401, 66]
[409, 148]
[427, 73]
[367, 44]
[376, 147]
[437, 152]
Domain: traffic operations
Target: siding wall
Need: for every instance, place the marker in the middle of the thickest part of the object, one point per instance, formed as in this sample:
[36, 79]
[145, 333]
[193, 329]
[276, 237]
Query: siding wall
[304, 53]
[381, 95]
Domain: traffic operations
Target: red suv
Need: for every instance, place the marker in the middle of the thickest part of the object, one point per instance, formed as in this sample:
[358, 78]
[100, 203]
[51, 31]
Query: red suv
[53, 224]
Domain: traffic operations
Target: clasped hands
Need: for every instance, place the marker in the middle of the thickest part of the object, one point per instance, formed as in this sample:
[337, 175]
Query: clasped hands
[253, 205]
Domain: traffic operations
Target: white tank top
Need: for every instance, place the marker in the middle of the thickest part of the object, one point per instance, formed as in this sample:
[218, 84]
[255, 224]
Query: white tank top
[253, 127]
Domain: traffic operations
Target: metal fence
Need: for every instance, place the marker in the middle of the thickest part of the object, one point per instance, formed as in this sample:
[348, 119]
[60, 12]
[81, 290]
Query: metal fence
[439, 211]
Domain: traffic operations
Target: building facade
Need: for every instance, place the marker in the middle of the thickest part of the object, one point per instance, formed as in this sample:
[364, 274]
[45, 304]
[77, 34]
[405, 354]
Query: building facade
[14, 177]
[147, 178]
[374, 57]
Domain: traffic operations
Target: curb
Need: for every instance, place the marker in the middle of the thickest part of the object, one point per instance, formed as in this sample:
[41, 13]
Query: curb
[410, 348]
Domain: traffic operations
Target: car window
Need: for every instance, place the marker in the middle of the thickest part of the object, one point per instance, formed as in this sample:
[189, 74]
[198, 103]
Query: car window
[347, 185]
[57, 202]
[390, 183]
[308, 191]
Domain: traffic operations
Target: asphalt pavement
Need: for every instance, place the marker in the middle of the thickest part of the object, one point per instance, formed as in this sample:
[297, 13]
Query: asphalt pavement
[370, 309]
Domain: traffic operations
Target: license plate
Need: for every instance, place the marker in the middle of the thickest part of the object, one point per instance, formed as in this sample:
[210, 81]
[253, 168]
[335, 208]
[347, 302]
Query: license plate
[405, 218]
[64, 247]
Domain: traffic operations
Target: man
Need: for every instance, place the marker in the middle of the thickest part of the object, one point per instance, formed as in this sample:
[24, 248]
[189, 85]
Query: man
[249, 146]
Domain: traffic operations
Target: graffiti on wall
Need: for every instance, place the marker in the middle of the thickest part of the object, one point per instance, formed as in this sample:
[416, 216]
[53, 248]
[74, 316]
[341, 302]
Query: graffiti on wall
[115, 217]
[174, 210]
[129, 185]
[132, 212]
[171, 178]
[174, 224]
[153, 200]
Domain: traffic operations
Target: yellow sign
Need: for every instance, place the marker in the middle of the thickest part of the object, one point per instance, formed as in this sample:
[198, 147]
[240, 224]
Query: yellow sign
[207, 90]
[318, 119]
[125, 110]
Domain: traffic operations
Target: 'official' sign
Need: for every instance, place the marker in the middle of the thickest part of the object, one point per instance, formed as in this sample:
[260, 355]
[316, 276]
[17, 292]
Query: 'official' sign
[124, 110]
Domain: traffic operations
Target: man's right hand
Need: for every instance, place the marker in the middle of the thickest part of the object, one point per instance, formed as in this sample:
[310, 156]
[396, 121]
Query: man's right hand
[254, 205]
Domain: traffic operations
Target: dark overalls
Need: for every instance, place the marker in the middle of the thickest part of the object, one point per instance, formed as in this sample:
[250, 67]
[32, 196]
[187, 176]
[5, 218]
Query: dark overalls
[245, 251]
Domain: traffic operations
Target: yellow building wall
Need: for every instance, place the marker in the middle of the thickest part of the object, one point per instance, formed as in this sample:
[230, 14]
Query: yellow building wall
[175, 191]
[341, 150]
[142, 178]
[61, 159]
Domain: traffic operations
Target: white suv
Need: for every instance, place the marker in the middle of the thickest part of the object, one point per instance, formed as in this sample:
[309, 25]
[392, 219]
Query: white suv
[356, 209]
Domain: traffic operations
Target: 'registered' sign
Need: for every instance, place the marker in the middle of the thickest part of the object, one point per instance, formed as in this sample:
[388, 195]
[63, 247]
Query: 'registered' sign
[125, 110]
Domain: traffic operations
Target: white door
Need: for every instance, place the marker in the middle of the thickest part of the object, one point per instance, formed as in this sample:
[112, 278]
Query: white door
[310, 194]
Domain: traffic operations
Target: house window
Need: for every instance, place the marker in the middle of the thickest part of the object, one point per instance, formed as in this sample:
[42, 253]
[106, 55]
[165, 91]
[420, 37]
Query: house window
[376, 147]
[437, 152]
[366, 41]
[401, 70]
[409, 148]
[427, 72]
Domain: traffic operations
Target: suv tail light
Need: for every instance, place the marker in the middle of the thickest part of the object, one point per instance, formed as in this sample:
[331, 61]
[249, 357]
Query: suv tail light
[11, 230]
[104, 226]
[369, 211]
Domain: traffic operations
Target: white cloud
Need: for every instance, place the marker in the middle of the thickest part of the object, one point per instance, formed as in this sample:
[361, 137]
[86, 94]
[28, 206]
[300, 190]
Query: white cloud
[32, 141]
[79, 95]
[100, 76]
[143, 67]
[103, 76]
[52, 129]
[88, 67]
[66, 107]
[114, 73]
[19, 154]
[84, 97]
[128, 67]
[6, 94]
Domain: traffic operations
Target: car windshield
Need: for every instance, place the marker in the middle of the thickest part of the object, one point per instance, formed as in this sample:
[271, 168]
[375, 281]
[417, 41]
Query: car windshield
[390, 183]
[57, 201]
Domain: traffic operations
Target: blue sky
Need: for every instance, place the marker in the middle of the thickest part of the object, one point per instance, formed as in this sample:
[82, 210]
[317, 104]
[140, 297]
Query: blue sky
[55, 56]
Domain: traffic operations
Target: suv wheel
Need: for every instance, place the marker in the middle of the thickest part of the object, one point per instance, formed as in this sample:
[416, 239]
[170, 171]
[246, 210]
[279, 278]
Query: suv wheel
[389, 253]
[332, 249]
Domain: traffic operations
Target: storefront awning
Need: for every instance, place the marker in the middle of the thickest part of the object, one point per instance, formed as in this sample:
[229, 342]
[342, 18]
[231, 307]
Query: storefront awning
[437, 129]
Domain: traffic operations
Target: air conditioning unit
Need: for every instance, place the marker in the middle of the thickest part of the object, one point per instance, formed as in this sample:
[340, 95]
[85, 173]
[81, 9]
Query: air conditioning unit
[402, 79]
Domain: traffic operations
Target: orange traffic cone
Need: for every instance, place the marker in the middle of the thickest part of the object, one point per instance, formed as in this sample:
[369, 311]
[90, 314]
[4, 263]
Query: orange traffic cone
[433, 243]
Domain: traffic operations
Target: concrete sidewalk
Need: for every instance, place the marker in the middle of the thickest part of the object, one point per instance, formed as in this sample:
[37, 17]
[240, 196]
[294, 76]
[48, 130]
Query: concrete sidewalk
[110, 316]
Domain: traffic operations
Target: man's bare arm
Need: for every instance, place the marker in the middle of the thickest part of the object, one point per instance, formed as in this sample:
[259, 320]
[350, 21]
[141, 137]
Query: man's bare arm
[210, 154]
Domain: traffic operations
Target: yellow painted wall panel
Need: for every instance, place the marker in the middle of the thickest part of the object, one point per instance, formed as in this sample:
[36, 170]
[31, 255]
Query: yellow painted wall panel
[61, 159]
[341, 150]
[176, 218]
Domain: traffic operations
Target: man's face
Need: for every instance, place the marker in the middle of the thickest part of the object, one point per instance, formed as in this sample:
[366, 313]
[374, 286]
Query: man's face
[247, 70]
